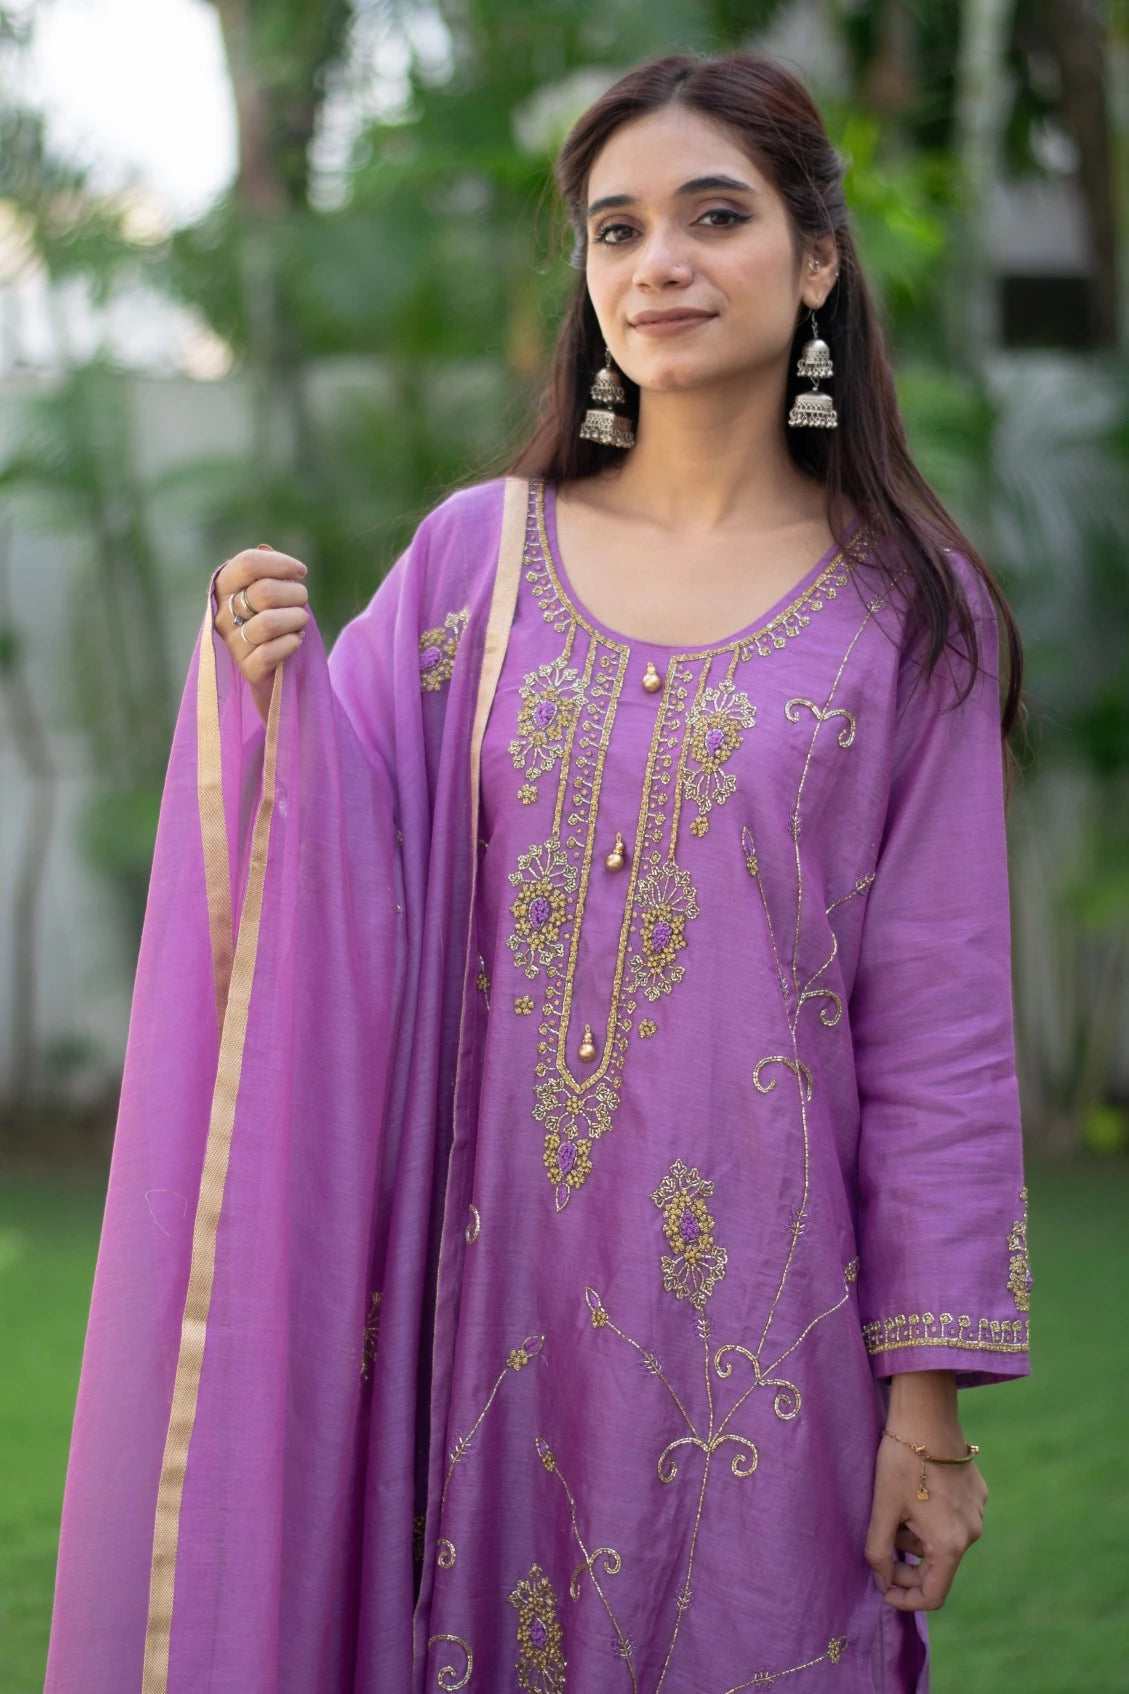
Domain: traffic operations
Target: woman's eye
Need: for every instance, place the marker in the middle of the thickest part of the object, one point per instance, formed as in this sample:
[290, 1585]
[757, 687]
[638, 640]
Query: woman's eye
[731, 217]
[611, 235]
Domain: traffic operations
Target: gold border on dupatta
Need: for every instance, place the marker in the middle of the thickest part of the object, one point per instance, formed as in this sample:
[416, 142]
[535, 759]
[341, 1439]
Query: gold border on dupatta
[503, 602]
[233, 980]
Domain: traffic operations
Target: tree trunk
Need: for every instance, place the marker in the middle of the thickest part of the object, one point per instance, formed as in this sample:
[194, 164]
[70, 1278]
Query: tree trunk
[1077, 36]
[979, 117]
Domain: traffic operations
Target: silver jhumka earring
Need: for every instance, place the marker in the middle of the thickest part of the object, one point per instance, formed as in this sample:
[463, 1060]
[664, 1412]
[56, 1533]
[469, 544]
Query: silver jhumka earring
[814, 410]
[600, 422]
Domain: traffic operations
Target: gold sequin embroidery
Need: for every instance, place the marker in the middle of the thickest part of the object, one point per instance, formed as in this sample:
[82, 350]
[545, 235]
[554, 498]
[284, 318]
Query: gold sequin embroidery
[544, 880]
[551, 701]
[541, 1663]
[1019, 1267]
[923, 1329]
[714, 733]
[438, 649]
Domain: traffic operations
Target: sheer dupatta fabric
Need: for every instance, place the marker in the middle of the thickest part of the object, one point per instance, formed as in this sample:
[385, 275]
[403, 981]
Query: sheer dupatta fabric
[246, 1462]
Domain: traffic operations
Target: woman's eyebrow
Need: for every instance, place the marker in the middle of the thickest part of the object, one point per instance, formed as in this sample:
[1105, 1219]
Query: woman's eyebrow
[696, 185]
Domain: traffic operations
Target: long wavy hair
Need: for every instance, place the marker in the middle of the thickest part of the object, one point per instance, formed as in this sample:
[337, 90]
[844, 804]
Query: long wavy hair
[866, 462]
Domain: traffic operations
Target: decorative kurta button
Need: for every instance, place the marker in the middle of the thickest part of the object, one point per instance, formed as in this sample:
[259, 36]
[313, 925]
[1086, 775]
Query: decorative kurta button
[617, 858]
[587, 1048]
[652, 681]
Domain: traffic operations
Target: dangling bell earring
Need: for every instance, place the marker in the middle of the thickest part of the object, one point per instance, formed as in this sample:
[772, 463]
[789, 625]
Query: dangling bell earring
[600, 422]
[814, 410]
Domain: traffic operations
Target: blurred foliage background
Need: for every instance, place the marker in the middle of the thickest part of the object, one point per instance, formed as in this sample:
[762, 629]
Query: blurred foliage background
[385, 317]
[380, 311]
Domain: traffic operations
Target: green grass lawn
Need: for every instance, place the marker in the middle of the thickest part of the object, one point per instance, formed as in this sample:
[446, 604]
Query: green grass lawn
[1040, 1606]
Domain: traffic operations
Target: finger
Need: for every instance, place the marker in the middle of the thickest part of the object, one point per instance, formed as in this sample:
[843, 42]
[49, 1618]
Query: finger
[906, 1576]
[253, 563]
[266, 592]
[928, 1595]
[266, 626]
[270, 655]
[885, 1520]
[907, 1542]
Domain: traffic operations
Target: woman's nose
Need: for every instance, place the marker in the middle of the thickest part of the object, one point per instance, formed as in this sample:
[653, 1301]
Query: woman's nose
[660, 261]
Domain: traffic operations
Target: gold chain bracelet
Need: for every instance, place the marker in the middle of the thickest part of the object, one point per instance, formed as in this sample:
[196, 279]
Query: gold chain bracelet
[931, 1458]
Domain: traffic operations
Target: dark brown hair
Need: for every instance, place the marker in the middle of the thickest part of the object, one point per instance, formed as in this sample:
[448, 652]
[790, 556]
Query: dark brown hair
[866, 462]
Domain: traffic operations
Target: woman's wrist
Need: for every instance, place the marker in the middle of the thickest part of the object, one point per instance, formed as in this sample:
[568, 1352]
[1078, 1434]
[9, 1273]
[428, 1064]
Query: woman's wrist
[923, 1408]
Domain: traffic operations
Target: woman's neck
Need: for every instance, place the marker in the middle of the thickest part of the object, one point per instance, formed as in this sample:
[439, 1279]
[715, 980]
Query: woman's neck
[709, 460]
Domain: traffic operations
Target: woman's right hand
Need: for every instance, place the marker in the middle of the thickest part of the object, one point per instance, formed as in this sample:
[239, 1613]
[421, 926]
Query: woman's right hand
[270, 586]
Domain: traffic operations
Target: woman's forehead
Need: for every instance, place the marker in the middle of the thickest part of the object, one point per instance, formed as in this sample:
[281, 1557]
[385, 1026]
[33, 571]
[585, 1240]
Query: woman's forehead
[655, 156]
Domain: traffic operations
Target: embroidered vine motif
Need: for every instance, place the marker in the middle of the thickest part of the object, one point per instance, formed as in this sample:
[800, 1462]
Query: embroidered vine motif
[601, 1562]
[831, 1654]
[474, 1225]
[1019, 1267]
[449, 1677]
[714, 732]
[666, 903]
[438, 649]
[824, 715]
[695, 1263]
[541, 1663]
[516, 1360]
[370, 1336]
[923, 1329]
[544, 879]
[551, 701]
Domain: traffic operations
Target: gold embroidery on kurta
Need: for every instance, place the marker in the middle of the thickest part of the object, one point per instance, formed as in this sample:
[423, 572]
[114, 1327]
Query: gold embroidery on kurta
[551, 700]
[831, 1654]
[714, 734]
[541, 1663]
[1019, 1266]
[602, 1562]
[964, 1333]
[449, 1677]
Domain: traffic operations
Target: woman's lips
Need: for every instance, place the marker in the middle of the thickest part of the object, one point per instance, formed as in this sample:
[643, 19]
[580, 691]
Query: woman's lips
[675, 324]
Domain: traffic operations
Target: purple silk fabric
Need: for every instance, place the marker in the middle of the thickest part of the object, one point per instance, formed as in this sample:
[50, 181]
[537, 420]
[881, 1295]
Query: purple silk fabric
[475, 1292]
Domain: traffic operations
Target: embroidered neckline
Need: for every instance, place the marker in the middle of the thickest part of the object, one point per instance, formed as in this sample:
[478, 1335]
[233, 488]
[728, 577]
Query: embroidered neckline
[760, 639]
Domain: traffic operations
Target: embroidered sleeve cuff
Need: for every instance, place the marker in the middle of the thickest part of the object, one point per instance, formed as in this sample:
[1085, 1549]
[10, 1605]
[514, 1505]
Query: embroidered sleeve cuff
[977, 1349]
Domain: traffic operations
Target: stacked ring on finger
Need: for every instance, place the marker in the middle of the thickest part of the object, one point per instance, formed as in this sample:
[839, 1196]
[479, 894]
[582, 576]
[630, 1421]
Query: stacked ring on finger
[248, 612]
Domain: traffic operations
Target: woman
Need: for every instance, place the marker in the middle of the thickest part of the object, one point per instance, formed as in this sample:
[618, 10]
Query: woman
[601, 1160]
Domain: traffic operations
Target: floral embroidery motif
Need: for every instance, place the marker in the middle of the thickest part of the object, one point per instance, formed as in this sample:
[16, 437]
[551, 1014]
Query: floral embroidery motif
[519, 1357]
[523, 1005]
[647, 1028]
[541, 1663]
[1019, 1267]
[695, 1263]
[551, 700]
[438, 649]
[666, 903]
[544, 880]
[851, 1271]
[713, 736]
[575, 1118]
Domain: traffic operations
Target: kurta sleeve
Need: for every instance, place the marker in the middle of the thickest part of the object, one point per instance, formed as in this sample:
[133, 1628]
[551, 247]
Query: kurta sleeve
[943, 1279]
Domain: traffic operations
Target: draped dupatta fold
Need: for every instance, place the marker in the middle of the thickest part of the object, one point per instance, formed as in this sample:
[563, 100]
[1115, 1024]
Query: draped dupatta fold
[247, 1463]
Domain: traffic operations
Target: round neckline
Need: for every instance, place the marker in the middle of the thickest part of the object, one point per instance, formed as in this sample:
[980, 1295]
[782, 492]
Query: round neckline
[788, 602]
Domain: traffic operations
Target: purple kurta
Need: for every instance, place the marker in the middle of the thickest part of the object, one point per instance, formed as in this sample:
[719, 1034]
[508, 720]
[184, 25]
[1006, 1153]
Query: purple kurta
[747, 1139]
[568, 1210]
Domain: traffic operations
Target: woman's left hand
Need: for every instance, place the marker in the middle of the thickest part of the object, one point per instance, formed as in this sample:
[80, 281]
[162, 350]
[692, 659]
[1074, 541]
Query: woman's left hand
[937, 1531]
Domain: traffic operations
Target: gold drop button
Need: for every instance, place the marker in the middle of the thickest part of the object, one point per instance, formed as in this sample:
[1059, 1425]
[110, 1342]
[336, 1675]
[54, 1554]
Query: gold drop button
[617, 858]
[652, 681]
[587, 1048]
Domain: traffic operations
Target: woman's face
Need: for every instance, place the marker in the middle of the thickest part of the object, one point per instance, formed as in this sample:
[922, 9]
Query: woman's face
[691, 264]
